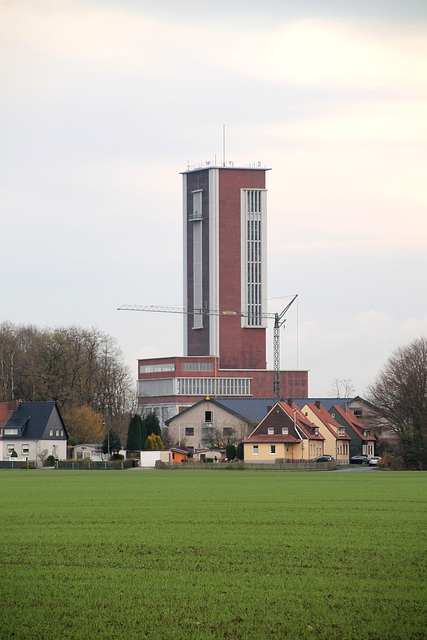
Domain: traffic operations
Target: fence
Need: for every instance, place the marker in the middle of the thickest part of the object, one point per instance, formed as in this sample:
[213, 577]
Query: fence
[114, 465]
[289, 465]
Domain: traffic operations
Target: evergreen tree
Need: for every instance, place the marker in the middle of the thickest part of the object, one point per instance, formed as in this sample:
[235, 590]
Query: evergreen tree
[135, 440]
[151, 443]
[159, 443]
[240, 451]
[152, 424]
[111, 443]
[230, 452]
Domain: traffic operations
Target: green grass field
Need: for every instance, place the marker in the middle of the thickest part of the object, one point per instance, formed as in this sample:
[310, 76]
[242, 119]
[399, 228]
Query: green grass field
[209, 554]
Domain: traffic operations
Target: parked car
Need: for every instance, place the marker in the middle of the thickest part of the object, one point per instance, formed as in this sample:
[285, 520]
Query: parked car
[374, 460]
[359, 460]
[323, 459]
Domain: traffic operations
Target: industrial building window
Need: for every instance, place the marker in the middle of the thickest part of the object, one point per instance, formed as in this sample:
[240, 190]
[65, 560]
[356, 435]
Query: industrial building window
[197, 204]
[213, 386]
[189, 431]
[197, 274]
[253, 257]
[156, 368]
[197, 366]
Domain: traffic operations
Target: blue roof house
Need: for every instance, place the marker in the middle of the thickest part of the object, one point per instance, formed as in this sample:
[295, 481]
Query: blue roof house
[33, 430]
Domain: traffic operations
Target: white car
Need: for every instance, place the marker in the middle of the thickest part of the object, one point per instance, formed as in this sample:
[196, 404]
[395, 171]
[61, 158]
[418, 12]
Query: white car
[374, 460]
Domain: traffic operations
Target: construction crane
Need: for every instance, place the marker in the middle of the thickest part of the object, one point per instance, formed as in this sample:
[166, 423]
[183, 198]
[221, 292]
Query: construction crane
[279, 320]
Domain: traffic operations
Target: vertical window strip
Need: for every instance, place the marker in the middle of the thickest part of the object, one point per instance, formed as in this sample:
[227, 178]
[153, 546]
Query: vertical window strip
[197, 274]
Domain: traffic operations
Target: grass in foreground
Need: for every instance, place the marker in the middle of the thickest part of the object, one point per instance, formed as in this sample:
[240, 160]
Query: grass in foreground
[181, 554]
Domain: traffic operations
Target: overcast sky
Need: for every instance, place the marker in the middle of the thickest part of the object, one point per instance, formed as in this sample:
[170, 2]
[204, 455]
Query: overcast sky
[104, 103]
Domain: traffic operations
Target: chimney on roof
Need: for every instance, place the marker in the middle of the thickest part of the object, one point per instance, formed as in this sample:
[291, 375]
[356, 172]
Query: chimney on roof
[290, 401]
[317, 403]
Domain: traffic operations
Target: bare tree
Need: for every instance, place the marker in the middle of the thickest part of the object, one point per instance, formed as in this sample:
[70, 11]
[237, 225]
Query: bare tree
[400, 395]
[341, 388]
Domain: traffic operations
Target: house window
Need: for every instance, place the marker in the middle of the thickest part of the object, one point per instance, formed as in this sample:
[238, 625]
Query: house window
[272, 449]
[10, 432]
[270, 431]
[285, 431]
[57, 432]
[341, 432]
[208, 416]
[25, 448]
[255, 449]
[316, 431]
[62, 432]
[189, 431]
[10, 449]
[51, 432]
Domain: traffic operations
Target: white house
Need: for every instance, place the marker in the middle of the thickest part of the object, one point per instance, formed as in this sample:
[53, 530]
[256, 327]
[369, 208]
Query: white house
[32, 430]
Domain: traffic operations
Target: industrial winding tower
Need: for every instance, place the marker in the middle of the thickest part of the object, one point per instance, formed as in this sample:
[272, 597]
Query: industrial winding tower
[225, 286]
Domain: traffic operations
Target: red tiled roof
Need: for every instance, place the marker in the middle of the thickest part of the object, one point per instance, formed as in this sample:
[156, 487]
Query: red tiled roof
[329, 422]
[353, 422]
[303, 423]
[5, 413]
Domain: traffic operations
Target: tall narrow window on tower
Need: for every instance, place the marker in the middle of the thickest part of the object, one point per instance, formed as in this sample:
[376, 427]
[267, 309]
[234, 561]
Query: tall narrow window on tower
[197, 259]
[253, 210]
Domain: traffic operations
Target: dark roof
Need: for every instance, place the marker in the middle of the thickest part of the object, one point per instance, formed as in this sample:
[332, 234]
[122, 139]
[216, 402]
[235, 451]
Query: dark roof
[255, 409]
[32, 418]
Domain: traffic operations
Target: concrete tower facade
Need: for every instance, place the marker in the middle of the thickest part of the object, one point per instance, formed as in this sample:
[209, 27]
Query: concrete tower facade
[225, 218]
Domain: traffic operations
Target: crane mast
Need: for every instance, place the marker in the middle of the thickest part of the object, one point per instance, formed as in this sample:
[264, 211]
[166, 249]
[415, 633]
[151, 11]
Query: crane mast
[279, 320]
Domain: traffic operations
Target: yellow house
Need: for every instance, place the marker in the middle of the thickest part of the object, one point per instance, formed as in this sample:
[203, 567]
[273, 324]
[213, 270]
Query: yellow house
[337, 442]
[284, 434]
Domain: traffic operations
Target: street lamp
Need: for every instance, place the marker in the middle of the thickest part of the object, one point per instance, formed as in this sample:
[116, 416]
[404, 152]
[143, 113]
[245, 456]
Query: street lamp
[108, 439]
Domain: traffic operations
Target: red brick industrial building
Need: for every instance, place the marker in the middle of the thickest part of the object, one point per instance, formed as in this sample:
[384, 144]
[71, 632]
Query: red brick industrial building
[225, 288]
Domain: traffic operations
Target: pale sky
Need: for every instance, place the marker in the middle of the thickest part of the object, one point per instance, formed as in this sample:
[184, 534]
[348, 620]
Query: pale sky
[104, 102]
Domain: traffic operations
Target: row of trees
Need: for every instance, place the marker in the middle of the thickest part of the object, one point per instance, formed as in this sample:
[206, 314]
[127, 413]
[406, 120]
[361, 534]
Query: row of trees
[82, 370]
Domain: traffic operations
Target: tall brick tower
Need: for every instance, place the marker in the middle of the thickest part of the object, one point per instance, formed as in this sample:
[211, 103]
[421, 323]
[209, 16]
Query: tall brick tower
[224, 216]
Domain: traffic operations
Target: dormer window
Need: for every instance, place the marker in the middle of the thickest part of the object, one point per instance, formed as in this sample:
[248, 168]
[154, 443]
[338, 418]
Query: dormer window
[285, 431]
[316, 431]
[366, 433]
[341, 432]
[270, 431]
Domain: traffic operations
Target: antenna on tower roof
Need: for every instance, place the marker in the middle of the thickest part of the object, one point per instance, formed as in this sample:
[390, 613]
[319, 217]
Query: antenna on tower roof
[223, 145]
